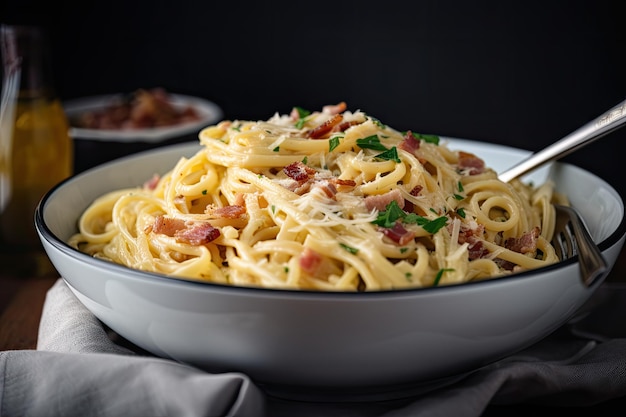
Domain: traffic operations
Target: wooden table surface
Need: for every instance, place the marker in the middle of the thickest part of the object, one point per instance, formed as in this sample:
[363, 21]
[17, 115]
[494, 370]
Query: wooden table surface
[23, 291]
[24, 282]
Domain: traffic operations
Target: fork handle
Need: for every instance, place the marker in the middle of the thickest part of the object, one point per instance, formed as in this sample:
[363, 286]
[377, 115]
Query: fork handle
[590, 132]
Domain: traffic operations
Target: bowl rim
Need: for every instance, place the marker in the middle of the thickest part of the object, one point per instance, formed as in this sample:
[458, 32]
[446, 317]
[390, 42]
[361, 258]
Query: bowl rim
[47, 234]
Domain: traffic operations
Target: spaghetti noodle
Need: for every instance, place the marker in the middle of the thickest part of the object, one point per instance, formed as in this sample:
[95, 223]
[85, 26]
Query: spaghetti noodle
[327, 200]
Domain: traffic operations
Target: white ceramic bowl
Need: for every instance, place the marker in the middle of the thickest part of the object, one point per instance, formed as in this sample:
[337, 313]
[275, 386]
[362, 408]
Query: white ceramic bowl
[312, 339]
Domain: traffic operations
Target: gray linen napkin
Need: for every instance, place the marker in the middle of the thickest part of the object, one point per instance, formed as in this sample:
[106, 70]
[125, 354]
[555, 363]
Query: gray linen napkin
[78, 369]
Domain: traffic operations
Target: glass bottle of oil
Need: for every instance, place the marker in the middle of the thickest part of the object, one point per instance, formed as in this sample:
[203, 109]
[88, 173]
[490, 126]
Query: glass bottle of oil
[36, 151]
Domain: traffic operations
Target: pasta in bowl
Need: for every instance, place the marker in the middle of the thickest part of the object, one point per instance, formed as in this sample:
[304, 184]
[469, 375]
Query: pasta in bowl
[329, 200]
[279, 321]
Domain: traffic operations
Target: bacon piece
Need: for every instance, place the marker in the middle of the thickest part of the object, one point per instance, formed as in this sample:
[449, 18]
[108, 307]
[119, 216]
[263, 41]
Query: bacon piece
[322, 130]
[335, 108]
[410, 143]
[416, 190]
[305, 178]
[197, 234]
[409, 207]
[300, 188]
[167, 225]
[327, 187]
[398, 233]
[299, 172]
[381, 201]
[469, 234]
[343, 126]
[310, 261]
[476, 249]
[342, 183]
[194, 234]
[527, 243]
[239, 200]
[226, 212]
[152, 182]
[470, 162]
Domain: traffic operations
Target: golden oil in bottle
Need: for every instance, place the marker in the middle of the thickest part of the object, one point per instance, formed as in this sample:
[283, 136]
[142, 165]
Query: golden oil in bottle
[36, 151]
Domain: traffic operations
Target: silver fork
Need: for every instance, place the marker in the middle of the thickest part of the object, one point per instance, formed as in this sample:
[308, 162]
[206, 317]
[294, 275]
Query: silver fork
[572, 238]
[607, 122]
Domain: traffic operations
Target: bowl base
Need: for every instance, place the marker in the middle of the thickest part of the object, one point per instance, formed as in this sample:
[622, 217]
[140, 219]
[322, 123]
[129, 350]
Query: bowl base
[357, 394]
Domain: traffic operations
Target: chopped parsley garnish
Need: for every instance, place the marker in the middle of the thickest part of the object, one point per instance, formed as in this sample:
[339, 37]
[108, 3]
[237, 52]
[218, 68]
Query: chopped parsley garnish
[377, 122]
[333, 143]
[440, 274]
[461, 212]
[389, 155]
[388, 217]
[305, 160]
[350, 249]
[302, 114]
[460, 186]
[204, 192]
[276, 149]
[431, 226]
[393, 213]
[434, 139]
[371, 142]
[458, 197]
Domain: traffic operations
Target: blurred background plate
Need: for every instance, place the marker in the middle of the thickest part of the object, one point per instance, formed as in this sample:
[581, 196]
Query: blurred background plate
[95, 146]
[208, 112]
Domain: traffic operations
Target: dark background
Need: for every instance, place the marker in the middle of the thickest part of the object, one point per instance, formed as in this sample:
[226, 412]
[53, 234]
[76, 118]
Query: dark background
[518, 73]
[521, 73]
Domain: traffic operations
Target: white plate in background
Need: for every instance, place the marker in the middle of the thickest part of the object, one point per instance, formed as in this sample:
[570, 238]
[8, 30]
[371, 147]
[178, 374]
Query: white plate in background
[209, 112]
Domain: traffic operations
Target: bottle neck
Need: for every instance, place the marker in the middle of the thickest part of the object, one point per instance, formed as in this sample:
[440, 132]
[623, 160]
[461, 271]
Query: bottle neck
[26, 56]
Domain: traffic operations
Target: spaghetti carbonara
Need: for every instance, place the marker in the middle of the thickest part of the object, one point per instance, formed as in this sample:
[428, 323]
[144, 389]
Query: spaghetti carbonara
[327, 200]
